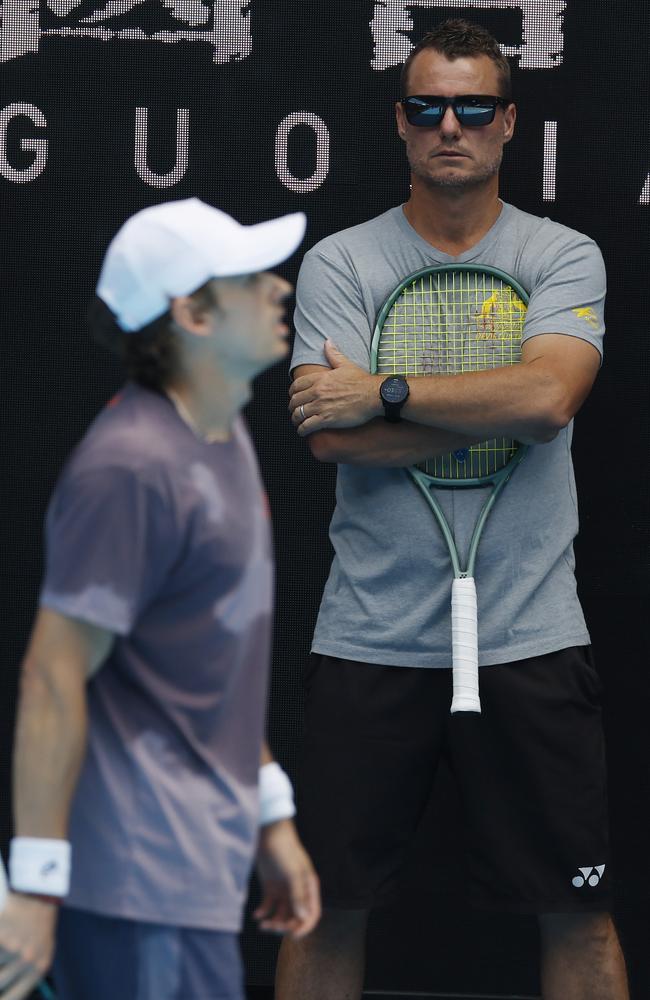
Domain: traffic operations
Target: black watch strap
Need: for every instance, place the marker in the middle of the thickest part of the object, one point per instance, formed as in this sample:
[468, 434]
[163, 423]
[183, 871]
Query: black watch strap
[392, 413]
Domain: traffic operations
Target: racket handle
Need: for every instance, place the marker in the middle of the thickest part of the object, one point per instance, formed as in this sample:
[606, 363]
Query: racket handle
[464, 639]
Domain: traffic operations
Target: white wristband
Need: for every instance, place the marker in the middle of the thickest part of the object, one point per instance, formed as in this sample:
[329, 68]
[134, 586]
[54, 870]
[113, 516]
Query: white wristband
[40, 865]
[276, 795]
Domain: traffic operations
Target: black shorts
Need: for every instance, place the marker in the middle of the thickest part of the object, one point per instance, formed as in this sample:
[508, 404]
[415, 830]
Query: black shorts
[530, 771]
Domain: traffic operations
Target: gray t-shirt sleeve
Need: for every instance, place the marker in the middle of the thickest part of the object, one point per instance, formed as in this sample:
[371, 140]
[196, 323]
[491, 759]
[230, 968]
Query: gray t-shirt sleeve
[568, 295]
[329, 305]
[107, 539]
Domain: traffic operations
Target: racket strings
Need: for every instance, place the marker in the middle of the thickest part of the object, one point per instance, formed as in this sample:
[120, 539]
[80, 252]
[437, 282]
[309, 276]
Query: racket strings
[446, 324]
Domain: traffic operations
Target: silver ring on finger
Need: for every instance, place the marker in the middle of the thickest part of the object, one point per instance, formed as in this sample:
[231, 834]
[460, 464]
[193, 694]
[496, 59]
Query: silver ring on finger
[302, 412]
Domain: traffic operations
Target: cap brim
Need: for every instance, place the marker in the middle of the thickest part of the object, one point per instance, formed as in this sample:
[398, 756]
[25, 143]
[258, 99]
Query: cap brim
[264, 245]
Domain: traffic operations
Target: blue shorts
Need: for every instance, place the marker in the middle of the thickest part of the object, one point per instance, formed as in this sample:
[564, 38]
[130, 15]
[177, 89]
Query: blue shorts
[105, 958]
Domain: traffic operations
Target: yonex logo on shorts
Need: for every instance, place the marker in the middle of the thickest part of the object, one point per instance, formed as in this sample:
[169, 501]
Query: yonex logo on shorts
[588, 876]
[49, 867]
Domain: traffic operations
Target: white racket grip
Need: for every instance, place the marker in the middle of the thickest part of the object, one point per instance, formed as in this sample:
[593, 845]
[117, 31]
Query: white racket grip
[464, 640]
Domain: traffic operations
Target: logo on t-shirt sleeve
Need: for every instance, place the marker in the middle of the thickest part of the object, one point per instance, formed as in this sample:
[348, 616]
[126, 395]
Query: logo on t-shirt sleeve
[588, 315]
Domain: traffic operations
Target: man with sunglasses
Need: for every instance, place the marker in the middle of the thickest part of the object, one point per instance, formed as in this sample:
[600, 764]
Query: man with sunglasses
[530, 768]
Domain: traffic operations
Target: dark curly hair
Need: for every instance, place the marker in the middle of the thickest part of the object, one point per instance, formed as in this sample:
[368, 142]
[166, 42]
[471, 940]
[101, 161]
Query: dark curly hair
[151, 355]
[455, 39]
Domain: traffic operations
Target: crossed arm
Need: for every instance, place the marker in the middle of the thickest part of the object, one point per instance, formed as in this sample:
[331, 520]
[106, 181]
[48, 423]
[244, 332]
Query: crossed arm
[530, 402]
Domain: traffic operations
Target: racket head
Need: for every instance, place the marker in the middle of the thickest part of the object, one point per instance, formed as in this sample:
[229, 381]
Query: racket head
[448, 320]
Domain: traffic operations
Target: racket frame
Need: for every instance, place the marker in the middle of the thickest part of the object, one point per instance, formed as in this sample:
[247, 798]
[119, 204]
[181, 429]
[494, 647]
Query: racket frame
[425, 481]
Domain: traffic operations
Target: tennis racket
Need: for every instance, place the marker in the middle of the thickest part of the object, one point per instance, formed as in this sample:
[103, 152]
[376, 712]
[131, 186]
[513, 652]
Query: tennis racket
[442, 321]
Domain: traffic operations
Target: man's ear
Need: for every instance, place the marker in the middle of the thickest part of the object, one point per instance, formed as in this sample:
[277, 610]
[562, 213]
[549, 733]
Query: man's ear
[187, 314]
[400, 118]
[509, 119]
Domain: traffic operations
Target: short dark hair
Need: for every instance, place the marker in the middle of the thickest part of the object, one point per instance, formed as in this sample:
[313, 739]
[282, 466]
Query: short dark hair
[151, 355]
[456, 38]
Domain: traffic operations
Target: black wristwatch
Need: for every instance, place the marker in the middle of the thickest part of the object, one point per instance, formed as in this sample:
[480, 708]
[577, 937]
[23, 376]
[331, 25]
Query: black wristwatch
[394, 391]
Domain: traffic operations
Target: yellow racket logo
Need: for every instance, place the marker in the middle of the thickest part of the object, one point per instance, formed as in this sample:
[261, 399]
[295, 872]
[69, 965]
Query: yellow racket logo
[501, 316]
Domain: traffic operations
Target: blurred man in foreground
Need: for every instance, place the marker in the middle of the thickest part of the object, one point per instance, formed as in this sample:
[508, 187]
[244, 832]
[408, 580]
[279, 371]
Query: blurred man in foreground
[143, 689]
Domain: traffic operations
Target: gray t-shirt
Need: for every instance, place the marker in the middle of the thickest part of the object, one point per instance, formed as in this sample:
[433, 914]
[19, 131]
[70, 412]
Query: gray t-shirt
[387, 599]
[164, 540]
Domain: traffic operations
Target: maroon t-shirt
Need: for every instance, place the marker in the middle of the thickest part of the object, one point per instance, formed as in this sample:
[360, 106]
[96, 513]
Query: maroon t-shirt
[164, 540]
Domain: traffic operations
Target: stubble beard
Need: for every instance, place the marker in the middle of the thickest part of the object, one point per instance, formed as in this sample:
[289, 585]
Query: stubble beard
[458, 180]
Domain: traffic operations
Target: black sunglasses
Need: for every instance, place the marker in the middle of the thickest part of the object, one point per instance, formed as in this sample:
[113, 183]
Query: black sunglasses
[426, 110]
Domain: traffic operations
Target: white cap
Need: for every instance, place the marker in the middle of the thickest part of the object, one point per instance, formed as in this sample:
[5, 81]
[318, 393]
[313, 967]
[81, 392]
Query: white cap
[172, 249]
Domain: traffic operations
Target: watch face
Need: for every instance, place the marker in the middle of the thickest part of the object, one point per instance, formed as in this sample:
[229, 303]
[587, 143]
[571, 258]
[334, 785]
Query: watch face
[394, 390]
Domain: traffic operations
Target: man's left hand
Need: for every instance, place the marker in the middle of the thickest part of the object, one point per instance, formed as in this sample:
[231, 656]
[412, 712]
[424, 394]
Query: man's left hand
[291, 890]
[341, 396]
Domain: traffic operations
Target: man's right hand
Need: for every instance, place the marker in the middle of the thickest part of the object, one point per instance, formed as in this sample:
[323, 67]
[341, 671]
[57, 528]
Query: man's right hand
[27, 926]
[291, 890]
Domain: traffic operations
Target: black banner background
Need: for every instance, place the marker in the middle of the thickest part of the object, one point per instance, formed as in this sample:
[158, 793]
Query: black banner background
[316, 58]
